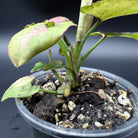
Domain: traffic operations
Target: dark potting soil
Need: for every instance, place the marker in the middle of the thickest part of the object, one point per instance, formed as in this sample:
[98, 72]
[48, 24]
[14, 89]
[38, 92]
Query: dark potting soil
[96, 103]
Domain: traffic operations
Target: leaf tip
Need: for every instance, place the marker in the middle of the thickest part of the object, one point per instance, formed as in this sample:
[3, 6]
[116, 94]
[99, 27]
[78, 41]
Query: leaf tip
[4, 97]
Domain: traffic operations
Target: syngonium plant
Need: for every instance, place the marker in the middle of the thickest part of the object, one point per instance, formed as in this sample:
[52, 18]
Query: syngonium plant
[36, 38]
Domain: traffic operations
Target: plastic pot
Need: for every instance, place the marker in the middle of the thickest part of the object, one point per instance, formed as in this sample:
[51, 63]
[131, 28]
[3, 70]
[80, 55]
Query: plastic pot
[43, 129]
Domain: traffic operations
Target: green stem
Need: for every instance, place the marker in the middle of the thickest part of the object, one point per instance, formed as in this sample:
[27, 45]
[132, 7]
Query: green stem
[89, 51]
[78, 47]
[50, 56]
[57, 76]
[53, 70]
[74, 74]
[47, 91]
[97, 34]
[65, 50]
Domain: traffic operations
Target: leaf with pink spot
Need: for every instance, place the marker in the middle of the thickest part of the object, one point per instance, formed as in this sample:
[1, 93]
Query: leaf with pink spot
[32, 40]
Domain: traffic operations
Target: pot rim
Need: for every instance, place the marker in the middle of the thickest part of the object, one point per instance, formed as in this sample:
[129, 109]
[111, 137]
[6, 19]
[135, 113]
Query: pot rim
[46, 127]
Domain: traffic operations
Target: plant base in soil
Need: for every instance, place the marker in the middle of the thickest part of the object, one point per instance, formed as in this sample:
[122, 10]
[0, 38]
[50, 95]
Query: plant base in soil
[96, 103]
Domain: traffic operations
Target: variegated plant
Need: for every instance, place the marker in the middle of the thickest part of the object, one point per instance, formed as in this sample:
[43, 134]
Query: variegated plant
[36, 38]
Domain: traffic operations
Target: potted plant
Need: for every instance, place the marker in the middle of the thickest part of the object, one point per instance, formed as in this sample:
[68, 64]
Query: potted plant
[81, 98]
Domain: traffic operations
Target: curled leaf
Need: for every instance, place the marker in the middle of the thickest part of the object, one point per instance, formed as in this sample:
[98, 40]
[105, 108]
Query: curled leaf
[107, 9]
[21, 88]
[32, 40]
[85, 21]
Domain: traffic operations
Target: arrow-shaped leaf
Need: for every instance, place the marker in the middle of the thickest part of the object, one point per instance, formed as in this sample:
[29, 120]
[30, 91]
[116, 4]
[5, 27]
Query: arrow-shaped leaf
[55, 64]
[106, 9]
[21, 88]
[38, 66]
[32, 40]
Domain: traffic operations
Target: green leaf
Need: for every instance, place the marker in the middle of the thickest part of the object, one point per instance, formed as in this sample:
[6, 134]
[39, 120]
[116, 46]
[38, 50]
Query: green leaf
[32, 40]
[55, 64]
[106, 9]
[21, 88]
[38, 66]
[113, 34]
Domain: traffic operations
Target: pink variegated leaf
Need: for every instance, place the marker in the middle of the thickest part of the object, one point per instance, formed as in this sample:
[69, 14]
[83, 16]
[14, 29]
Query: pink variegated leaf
[34, 39]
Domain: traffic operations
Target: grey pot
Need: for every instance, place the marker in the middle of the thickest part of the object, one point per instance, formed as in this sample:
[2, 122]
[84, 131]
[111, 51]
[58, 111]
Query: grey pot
[43, 129]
